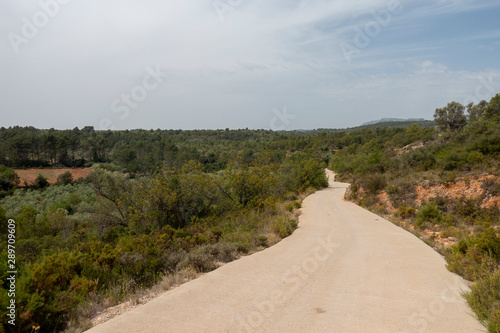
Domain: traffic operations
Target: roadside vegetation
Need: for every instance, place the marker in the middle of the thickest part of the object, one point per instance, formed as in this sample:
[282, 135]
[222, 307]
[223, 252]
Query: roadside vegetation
[85, 245]
[442, 184]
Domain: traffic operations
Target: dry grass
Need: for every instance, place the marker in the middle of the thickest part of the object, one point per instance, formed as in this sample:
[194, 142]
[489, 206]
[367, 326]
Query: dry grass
[172, 281]
[138, 298]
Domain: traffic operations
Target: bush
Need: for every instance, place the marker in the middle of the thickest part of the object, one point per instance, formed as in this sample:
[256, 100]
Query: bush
[484, 299]
[375, 184]
[201, 261]
[41, 182]
[368, 201]
[476, 256]
[421, 159]
[51, 288]
[223, 252]
[452, 232]
[475, 158]
[8, 181]
[454, 161]
[300, 172]
[173, 259]
[402, 193]
[405, 212]
[207, 258]
[491, 187]
[65, 179]
[284, 227]
[429, 213]
[262, 241]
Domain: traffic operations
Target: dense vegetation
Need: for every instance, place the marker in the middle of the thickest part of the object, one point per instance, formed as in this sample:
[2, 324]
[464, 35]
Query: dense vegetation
[165, 203]
[145, 151]
[391, 170]
[159, 204]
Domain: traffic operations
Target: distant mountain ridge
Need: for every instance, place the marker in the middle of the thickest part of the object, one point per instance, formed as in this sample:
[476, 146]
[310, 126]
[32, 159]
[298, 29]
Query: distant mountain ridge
[390, 120]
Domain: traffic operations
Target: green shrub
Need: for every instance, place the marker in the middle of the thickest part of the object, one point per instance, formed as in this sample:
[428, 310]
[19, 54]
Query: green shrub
[223, 252]
[452, 232]
[484, 299]
[173, 259]
[375, 184]
[405, 212]
[393, 190]
[429, 213]
[8, 181]
[41, 182]
[284, 227]
[368, 200]
[201, 261]
[475, 158]
[300, 171]
[421, 159]
[491, 187]
[65, 179]
[448, 178]
[402, 192]
[475, 256]
[468, 208]
[262, 241]
[51, 288]
[454, 160]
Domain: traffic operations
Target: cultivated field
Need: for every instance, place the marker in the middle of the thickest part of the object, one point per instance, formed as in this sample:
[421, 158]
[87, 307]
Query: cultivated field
[29, 175]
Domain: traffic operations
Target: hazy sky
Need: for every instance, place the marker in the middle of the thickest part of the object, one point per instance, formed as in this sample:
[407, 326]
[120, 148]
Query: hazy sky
[294, 64]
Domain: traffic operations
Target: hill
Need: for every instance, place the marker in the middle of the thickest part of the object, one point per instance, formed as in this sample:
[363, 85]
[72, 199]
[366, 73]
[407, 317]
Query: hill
[391, 120]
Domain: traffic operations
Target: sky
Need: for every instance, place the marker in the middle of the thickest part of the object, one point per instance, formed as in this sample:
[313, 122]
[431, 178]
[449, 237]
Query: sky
[259, 64]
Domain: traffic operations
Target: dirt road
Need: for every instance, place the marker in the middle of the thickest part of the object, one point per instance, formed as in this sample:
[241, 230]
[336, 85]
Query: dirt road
[343, 270]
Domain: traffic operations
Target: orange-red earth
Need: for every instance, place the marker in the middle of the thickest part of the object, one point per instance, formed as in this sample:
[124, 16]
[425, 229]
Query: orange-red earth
[29, 175]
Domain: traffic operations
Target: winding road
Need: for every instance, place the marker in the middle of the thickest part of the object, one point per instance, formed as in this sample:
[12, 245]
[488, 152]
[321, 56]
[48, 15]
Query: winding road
[343, 270]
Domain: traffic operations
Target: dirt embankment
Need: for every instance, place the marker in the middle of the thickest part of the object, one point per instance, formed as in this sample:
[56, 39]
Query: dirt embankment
[482, 189]
[468, 189]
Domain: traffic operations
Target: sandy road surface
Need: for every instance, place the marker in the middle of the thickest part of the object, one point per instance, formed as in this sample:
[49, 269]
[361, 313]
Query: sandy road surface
[343, 270]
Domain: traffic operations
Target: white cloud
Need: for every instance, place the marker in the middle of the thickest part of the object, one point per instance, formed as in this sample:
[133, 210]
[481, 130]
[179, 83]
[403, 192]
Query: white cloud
[429, 67]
